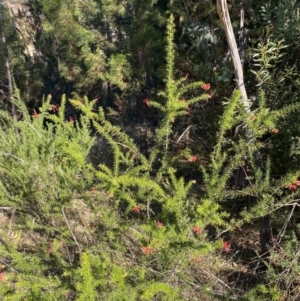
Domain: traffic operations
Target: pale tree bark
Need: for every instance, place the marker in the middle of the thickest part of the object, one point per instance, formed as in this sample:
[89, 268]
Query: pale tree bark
[223, 12]
[242, 40]
[222, 9]
[7, 67]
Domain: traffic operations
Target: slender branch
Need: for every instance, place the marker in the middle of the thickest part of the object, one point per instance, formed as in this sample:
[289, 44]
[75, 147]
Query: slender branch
[11, 155]
[183, 134]
[8, 68]
[187, 11]
[282, 231]
[74, 237]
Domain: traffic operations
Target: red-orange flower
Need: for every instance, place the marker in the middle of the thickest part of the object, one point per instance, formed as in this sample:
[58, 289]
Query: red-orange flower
[54, 108]
[2, 278]
[147, 250]
[226, 246]
[159, 224]
[136, 208]
[206, 87]
[292, 187]
[71, 119]
[275, 131]
[192, 159]
[94, 190]
[196, 230]
[35, 114]
[91, 226]
[146, 102]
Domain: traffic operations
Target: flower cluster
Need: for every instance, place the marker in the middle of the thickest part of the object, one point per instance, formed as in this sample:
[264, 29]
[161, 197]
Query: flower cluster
[206, 87]
[196, 230]
[226, 246]
[159, 224]
[94, 190]
[147, 250]
[146, 102]
[192, 159]
[293, 186]
[54, 108]
[35, 114]
[136, 208]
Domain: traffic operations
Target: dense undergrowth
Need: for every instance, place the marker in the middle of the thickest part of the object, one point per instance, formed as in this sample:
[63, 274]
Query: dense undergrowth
[139, 228]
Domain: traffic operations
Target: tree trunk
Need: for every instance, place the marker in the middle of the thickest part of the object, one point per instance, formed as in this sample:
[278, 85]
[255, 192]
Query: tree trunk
[223, 13]
[7, 67]
[222, 9]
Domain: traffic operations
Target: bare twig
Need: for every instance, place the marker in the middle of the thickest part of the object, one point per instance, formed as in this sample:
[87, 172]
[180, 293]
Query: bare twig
[282, 231]
[7, 208]
[34, 129]
[10, 155]
[187, 11]
[183, 134]
[6, 264]
[74, 237]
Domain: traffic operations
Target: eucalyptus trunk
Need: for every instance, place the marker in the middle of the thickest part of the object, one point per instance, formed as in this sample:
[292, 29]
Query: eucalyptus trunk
[7, 67]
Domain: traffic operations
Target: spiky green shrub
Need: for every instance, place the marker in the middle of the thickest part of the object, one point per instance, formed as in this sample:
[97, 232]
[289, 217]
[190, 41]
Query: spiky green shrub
[82, 233]
[39, 155]
[240, 175]
[43, 167]
[134, 230]
[151, 226]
